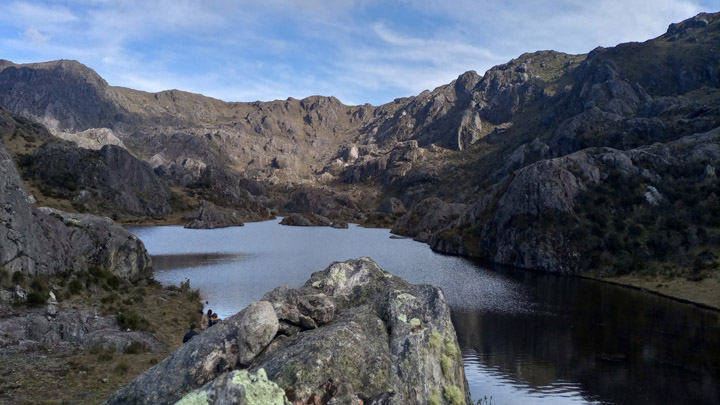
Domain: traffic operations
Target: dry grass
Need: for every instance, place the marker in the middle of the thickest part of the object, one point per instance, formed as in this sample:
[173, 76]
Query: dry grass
[704, 292]
[90, 376]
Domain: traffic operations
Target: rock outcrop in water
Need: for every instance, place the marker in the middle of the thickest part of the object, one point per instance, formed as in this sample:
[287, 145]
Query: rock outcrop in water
[210, 216]
[352, 334]
[307, 219]
[48, 241]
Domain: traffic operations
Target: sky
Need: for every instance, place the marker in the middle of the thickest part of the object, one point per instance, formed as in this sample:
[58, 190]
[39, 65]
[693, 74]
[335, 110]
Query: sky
[360, 51]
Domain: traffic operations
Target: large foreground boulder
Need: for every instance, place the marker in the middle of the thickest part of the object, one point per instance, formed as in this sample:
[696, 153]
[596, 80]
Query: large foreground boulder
[352, 334]
[48, 241]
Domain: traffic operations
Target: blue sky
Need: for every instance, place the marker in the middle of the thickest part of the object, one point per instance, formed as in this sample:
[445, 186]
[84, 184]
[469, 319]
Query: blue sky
[359, 51]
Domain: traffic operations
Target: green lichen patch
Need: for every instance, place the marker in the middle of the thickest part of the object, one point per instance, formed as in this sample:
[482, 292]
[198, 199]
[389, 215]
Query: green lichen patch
[434, 396]
[447, 364]
[338, 275]
[402, 317]
[453, 395]
[436, 340]
[317, 284]
[405, 297]
[197, 397]
[450, 348]
[415, 322]
[258, 389]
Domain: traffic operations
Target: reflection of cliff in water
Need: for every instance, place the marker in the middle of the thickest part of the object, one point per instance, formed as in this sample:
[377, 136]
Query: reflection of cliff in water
[170, 262]
[624, 346]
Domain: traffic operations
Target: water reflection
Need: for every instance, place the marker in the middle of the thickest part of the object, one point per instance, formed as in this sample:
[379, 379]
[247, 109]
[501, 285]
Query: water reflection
[525, 337]
[187, 260]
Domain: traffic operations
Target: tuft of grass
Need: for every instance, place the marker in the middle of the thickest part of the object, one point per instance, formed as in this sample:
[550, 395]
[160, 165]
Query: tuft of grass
[121, 368]
[136, 348]
[103, 353]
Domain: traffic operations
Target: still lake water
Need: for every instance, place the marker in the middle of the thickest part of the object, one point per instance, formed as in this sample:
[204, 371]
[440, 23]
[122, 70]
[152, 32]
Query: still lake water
[526, 338]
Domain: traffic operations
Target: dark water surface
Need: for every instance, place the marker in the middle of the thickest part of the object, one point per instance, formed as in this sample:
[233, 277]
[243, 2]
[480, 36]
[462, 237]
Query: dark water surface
[526, 337]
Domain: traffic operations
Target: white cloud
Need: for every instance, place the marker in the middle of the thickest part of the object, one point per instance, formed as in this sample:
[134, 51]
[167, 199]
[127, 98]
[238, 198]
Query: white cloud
[358, 50]
[37, 37]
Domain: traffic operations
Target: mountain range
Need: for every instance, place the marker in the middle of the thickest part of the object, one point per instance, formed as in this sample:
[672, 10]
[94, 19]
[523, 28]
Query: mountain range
[601, 164]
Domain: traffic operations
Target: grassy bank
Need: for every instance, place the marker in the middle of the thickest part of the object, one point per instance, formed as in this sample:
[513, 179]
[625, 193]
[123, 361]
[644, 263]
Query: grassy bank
[704, 292]
[91, 375]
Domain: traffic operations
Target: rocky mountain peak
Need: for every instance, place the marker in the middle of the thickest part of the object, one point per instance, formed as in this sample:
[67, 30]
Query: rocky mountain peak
[689, 27]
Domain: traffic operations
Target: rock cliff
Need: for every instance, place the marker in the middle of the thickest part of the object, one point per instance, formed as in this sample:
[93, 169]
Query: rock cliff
[352, 334]
[47, 241]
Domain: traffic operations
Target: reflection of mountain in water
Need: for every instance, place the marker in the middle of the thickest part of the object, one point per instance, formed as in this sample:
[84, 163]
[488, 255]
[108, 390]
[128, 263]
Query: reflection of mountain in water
[169, 262]
[603, 338]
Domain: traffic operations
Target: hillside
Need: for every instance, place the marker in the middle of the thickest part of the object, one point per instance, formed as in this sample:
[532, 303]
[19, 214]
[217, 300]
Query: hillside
[540, 163]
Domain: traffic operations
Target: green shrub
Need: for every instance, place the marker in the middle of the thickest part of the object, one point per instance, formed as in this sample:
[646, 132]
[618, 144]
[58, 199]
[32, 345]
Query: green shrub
[18, 278]
[36, 299]
[75, 287]
[128, 319]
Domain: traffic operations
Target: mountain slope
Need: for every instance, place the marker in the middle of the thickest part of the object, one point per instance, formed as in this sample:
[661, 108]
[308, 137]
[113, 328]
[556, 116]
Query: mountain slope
[523, 146]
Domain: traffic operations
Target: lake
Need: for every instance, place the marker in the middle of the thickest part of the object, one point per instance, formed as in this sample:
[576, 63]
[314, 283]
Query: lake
[526, 337]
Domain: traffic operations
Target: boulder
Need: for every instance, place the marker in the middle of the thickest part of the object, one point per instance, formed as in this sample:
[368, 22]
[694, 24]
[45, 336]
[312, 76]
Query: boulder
[221, 348]
[58, 327]
[340, 225]
[378, 340]
[307, 219]
[210, 216]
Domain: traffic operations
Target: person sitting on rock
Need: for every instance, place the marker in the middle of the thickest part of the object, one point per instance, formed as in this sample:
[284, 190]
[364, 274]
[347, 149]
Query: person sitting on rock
[205, 320]
[190, 333]
[214, 320]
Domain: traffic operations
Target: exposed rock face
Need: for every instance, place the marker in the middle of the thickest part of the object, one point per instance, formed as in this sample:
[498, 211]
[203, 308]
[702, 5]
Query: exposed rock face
[108, 175]
[509, 224]
[209, 216]
[307, 219]
[428, 216]
[352, 334]
[219, 349]
[69, 328]
[47, 241]
[223, 187]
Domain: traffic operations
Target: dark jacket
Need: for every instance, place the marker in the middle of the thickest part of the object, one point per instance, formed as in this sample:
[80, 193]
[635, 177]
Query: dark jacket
[189, 336]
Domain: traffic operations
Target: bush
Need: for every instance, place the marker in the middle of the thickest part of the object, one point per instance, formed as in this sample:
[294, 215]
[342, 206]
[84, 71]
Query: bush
[131, 320]
[18, 278]
[75, 287]
[36, 299]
